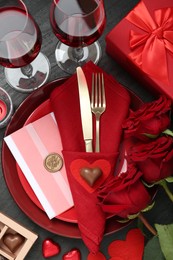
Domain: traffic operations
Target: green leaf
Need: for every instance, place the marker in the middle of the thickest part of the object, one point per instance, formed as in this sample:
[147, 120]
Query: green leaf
[169, 179]
[133, 216]
[123, 220]
[147, 184]
[150, 135]
[165, 234]
[168, 132]
[152, 250]
[149, 207]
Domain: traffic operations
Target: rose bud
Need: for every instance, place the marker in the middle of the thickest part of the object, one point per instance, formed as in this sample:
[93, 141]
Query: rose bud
[151, 119]
[154, 159]
[124, 194]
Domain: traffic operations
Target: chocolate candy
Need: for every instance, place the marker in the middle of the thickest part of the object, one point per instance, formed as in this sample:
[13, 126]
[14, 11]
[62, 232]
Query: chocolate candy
[13, 241]
[90, 175]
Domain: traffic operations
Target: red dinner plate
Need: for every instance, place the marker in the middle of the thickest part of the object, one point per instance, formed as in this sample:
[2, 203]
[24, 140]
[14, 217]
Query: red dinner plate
[33, 107]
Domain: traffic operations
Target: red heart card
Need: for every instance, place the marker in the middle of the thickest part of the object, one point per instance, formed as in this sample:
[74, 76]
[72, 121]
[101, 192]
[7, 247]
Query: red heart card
[79, 164]
[130, 249]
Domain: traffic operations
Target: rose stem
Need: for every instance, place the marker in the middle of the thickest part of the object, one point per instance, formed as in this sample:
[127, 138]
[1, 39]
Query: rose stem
[148, 226]
[167, 190]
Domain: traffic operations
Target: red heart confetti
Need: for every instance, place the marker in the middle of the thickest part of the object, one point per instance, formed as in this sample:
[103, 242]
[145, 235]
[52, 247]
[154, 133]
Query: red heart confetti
[50, 248]
[97, 256]
[130, 249]
[78, 164]
[74, 254]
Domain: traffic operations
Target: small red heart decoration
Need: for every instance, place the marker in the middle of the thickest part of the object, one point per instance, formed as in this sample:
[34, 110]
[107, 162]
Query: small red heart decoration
[50, 248]
[74, 254]
[79, 164]
[130, 249]
[90, 175]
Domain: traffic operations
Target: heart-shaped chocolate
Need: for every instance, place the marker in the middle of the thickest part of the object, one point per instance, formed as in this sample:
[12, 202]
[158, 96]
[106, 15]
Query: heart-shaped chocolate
[90, 175]
[74, 254]
[13, 241]
[50, 248]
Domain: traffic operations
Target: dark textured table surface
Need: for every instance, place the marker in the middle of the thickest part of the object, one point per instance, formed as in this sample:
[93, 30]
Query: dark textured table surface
[162, 212]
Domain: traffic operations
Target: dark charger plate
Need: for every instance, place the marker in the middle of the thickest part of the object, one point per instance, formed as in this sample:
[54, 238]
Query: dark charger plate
[14, 184]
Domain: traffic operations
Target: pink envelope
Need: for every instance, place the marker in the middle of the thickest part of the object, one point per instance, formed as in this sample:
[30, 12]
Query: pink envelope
[30, 146]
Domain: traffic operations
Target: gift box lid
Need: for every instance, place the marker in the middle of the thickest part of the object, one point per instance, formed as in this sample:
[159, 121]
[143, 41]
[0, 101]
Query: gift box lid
[141, 42]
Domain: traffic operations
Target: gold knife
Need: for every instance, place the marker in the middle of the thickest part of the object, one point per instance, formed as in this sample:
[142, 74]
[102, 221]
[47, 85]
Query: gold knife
[85, 109]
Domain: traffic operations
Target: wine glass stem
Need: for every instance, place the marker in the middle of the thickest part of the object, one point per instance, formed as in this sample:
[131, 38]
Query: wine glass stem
[78, 53]
[27, 70]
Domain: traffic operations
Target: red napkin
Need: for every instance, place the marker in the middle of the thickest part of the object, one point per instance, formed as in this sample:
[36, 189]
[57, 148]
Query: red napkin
[65, 104]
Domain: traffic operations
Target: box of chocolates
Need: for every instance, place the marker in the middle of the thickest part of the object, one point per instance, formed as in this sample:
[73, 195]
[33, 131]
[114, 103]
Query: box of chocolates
[15, 240]
[142, 43]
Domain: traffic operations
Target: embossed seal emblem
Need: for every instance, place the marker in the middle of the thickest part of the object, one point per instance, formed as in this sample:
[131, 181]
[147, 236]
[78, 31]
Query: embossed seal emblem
[53, 162]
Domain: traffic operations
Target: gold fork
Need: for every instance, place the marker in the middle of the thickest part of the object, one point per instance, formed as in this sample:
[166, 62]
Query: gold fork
[98, 103]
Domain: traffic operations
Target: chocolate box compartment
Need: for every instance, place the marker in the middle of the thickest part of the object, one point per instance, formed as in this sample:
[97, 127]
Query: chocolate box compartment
[9, 226]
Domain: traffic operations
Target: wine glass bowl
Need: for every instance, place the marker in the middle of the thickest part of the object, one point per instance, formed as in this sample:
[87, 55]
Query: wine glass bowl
[30, 41]
[77, 24]
[20, 44]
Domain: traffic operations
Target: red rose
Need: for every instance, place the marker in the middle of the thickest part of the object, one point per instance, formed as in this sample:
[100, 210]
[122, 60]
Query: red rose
[124, 194]
[154, 159]
[152, 118]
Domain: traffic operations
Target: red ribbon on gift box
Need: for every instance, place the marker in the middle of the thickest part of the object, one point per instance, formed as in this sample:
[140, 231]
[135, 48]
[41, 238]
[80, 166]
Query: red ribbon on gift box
[149, 47]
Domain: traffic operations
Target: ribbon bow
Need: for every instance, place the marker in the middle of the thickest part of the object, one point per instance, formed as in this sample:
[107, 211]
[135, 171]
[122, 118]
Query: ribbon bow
[149, 49]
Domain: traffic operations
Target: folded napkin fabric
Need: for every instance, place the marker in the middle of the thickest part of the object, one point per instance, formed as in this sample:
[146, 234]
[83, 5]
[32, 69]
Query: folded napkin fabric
[66, 107]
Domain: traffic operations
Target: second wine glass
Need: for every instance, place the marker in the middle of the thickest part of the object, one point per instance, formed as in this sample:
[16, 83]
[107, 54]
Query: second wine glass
[26, 68]
[77, 24]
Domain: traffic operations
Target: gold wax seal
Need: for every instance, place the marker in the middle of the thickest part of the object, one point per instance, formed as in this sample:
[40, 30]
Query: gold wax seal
[53, 162]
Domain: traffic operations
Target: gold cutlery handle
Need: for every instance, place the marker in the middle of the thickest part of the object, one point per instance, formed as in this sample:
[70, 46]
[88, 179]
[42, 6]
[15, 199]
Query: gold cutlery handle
[97, 148]
[88, 145]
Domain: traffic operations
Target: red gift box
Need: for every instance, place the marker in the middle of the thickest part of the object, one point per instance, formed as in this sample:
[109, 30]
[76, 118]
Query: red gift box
[143, 44]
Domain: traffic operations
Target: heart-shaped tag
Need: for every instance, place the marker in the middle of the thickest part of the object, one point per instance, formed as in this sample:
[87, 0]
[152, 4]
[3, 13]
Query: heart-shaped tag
[13, 241]
[50, 248]
[79, 164]
[74, 254]
[90, 175]
[131, 248]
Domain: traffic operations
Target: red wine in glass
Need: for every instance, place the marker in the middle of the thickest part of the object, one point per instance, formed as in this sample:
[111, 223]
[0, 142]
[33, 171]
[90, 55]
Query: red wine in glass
[77, 24]
[26, 68]
[18, 47]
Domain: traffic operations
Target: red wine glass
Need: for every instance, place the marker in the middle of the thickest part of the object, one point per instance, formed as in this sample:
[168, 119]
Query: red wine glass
[26, 68]
[77, 24]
